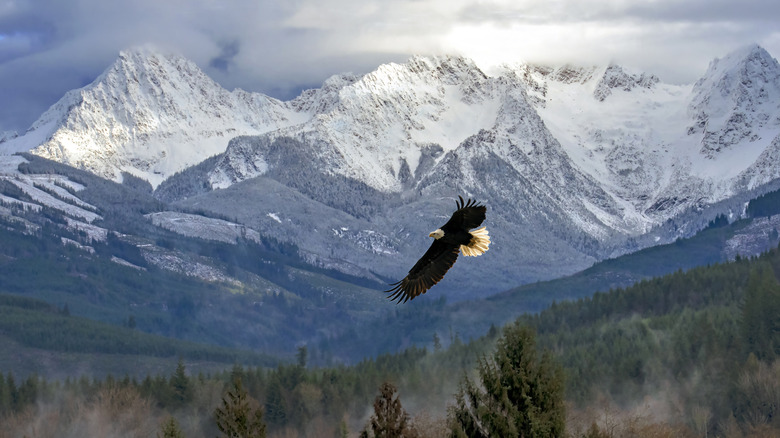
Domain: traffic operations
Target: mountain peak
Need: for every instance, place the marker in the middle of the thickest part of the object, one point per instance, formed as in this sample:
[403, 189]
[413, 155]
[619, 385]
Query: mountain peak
[323, 99]
[151, 113]
[443, 69]
[727, 73]
[736, 98]
[146, 51]
[616, 77]
[150, 69]
[741, 56]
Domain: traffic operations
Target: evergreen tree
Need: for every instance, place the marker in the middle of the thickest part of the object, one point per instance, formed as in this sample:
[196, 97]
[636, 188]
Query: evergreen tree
[13, 392]
[180, 386]
[5, 397]
[520, 394]
[170, 429]
[27, 392]
[436, 342]
[390, 420]
[240, 415]
[275, 405]
[343, 430]
[302, 356]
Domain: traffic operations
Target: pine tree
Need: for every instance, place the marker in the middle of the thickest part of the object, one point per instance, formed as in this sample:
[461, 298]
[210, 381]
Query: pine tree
[390, 420]
[170, 429]
[436, 342]
[302, 356]
[275, 405]
[240, 415]
[519, 394]
[180, 386]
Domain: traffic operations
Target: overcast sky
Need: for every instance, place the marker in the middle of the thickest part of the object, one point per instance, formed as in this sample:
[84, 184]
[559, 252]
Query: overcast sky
[277, 47]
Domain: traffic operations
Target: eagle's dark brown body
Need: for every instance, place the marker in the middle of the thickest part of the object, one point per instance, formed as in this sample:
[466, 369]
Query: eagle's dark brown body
[450, 240]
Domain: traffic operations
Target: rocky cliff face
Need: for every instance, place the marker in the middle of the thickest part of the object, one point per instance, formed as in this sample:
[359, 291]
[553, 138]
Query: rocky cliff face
[736, 101]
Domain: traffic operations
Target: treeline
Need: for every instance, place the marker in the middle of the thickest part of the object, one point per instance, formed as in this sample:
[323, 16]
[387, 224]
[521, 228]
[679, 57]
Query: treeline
[701, 346]
[708, 338]
[280, 297]
[765, 205]
[295, 400]
[290, 400]
[704, 322]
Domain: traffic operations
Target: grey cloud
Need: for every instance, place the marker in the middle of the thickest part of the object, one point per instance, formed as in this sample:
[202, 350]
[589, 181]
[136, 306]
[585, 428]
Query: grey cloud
[51, 46]
[573, 11]
[703, 11]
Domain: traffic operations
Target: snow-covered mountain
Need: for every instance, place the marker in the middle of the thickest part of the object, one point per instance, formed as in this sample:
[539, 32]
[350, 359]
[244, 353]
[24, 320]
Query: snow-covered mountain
[665, 149]
[150, 114]
[574, 163]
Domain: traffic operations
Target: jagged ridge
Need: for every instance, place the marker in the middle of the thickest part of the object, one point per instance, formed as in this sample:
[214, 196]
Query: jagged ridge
[575, 163]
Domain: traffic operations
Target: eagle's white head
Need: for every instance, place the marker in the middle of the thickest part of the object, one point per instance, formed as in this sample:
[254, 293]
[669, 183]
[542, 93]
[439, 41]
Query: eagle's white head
[438, 234]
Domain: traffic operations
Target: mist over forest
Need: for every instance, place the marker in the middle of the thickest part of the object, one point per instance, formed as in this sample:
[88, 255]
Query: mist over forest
[688, 354]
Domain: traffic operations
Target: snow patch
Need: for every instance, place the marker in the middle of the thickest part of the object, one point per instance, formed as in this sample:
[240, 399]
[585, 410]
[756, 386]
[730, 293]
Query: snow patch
[124, 262]
[172, 262]
[9, 164]
[24, 204]
[275, 217]
[38, 195]
[93, 232]
[202, 227]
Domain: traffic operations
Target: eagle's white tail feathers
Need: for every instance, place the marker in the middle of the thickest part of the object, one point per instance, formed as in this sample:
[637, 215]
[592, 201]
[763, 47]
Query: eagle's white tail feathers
[480, 241]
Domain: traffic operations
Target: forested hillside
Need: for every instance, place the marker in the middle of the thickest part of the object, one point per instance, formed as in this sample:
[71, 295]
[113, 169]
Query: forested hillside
[433, 315]
[688, 354]
[33, 331]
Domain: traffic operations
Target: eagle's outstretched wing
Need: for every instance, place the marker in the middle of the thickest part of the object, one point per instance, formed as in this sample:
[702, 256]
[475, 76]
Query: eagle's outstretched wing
[426, 272]
[444, 250]
[468, 215]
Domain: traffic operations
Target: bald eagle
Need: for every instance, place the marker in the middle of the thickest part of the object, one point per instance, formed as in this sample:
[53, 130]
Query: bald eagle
[451, 239]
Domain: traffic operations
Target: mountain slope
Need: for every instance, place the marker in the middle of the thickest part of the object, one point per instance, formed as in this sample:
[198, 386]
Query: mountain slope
[654, 145]
[211, 280]
[575, 164]
[233, 286]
